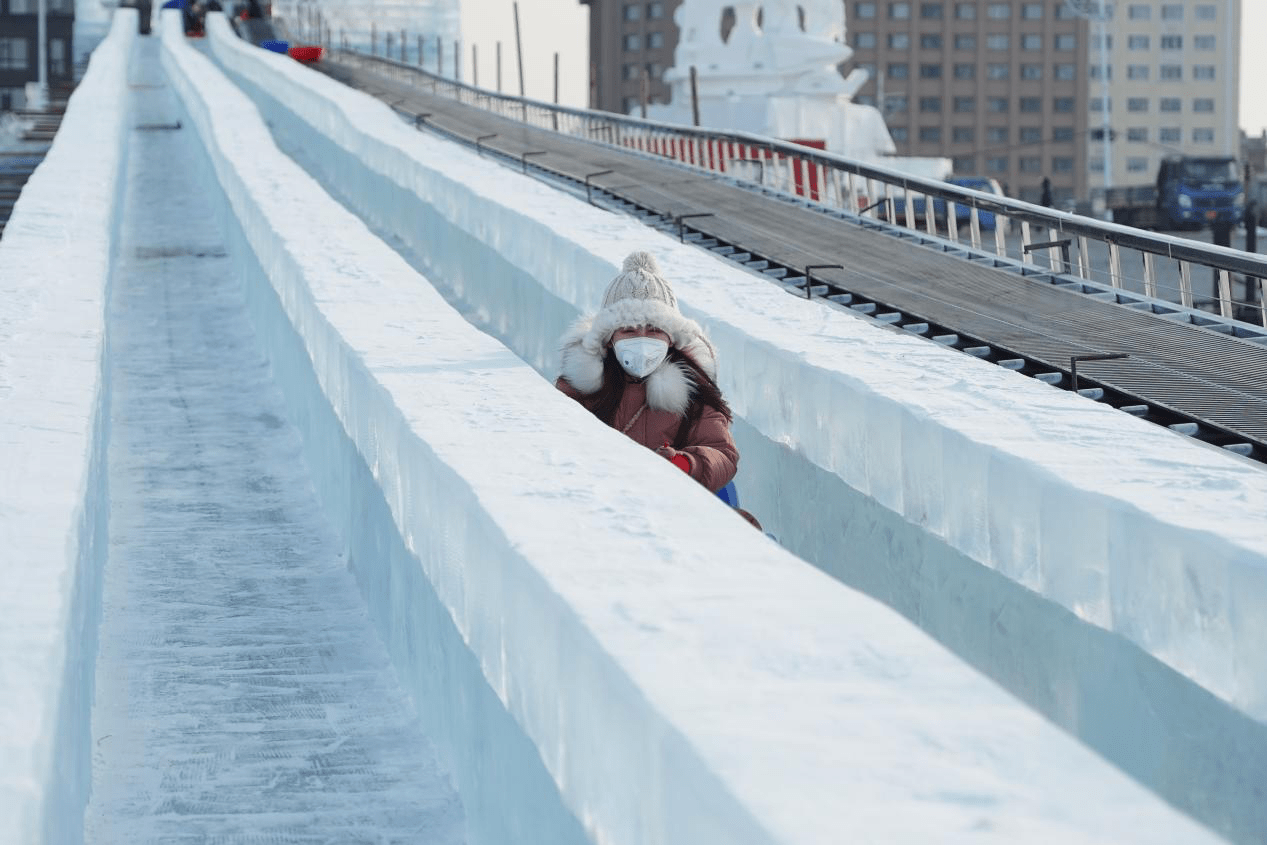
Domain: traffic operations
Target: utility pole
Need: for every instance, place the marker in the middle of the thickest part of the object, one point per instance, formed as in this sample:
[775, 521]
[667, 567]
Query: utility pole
[519, 51]
[41, 54]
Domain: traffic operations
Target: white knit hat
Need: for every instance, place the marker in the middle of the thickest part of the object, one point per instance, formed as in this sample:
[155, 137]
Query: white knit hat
[640, 296]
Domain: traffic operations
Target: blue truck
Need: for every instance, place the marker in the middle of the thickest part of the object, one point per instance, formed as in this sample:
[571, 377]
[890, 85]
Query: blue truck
[1191, 192]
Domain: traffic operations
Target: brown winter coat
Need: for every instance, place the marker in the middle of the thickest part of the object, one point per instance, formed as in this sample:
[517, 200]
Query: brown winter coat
[710, 449]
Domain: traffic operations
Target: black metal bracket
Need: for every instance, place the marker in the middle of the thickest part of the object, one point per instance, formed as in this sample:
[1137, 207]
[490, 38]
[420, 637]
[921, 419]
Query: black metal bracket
[809, 279]
[1103, 356]
[589, 197]
[1063, 243]
[681, 228]
[420, 119]
[875, 204]
[524, 157]
[480, 140]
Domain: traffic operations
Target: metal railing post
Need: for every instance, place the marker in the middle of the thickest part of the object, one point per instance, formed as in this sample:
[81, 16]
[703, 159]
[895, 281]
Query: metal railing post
[809, 277]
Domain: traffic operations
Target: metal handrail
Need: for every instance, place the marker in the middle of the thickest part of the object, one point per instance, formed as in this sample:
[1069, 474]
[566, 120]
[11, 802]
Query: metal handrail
[851, 186]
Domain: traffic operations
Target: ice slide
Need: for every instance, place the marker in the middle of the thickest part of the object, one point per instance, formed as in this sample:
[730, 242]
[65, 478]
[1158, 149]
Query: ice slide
[657, 677]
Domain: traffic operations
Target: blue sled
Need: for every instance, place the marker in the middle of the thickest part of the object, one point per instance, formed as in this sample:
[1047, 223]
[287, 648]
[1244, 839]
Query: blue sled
[729, 494]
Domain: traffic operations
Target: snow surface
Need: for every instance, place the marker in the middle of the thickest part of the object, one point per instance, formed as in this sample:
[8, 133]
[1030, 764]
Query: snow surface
[681, 679]
[1044, 537]
[55, 260]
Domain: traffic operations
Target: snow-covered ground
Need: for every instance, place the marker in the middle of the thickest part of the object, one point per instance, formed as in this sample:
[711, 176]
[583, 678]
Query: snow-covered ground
[599, 649]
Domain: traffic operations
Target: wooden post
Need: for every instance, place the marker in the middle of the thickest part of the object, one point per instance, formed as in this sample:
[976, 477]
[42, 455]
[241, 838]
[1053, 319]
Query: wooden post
[694, 97]
[519, 50]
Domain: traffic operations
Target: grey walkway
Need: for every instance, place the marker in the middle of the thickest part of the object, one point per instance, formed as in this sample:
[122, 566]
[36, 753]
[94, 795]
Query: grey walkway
[242, 694]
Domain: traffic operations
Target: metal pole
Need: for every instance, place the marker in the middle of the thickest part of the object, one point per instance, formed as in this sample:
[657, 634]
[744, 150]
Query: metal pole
[41, 53]
[457, 60]
[519, 51]
[499, 67]
[642, 91]
[556, 79]
[439, 57]
[475, 67]
[694, 97]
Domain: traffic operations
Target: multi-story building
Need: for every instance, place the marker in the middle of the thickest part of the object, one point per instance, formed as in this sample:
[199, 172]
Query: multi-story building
[1009, 89]
[998, 86]
[1170, 84]
[627, 39]
[19, 41]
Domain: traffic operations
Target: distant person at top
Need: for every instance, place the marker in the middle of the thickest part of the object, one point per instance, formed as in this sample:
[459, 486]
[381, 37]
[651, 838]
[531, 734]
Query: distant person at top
[254, 9]
[643, 368]
[1046, 195]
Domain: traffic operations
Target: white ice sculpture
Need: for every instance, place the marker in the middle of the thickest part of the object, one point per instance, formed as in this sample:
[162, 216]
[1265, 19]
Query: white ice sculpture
[775, 74]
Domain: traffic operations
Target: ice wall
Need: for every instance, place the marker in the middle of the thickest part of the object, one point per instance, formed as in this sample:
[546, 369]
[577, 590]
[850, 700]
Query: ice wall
[1107, 571]
[55, 260]
[673, 676]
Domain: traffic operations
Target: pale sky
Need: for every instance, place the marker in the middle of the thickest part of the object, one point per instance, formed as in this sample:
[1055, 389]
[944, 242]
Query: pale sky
[563, 25]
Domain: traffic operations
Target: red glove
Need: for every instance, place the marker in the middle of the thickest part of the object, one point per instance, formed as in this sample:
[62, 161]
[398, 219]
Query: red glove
[678, 459]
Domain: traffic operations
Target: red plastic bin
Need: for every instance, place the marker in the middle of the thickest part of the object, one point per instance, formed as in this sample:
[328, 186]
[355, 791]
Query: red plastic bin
[305, 54]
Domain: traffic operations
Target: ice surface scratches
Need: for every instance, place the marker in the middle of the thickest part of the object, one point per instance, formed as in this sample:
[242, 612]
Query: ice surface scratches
[242, 693]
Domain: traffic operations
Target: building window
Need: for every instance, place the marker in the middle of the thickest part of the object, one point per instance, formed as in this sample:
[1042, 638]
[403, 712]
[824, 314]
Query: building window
[1062, 134]
[1170, 104]
[630, 71]
[1031, 71]
[1137, 104]
[1064, 12]
[998, 11]
[899, 11]
[1172, 12]
[654, 70]
[998, 42]
[1029, 164]
[899, 41]
[930, 41]
[930, 134]
[632, 42]
[1137, 71]
[965, 71]
[864, 40]
[1172, 42]
[965, 42]
[896, 104]
[1067, 42]
[965, 105]
[632, 104]
[1137, 164]
[930, 104]
[899, 133]
[965, 135]
[1203, 42]
[1137, 134]
[864, 11]
[655, 40]
[1065, 72]
[23, 7]
[1169, 135]
[1207, 12]
[998, 71]
[1098, 43]
[1203, 136]
[1138, 42]
[929, 11]
[1031, 134]
[1062, 105]
[964, 164]
[1203, 72]
[633, 11]
[1101, 73]
[1031, 42]
[997, 105]
[996, 164]
[1139, 12]
[997, 134]
[1061, 164]
[930, 71]
[966, 11]
[655, 11]
[1032, 11]
[13, 54]
[1171, 72]
[1202, 104]
[1031, 104]
[1099, 104]
[1095, 165]
[898, 71]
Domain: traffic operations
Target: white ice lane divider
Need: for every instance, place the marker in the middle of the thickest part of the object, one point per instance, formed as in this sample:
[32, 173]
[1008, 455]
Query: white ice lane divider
[677, 678]
[242, 694]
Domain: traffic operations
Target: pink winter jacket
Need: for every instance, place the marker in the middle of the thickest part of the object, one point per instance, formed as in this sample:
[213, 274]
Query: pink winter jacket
[711, 450]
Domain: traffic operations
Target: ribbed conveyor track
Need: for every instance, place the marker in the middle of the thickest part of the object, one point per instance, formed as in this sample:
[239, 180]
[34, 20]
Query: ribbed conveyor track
[1176, 372]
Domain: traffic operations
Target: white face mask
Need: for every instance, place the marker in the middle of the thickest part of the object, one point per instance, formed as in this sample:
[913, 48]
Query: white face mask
[640, 355]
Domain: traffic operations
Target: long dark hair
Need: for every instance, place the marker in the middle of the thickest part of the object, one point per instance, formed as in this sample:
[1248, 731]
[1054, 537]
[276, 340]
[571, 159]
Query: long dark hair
[704, 393]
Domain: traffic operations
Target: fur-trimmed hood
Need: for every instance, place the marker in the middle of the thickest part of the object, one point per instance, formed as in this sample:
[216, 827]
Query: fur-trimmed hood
[671, 385]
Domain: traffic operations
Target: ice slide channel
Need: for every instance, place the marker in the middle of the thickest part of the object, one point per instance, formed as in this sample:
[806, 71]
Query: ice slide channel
[642, 672]
[1109, 573]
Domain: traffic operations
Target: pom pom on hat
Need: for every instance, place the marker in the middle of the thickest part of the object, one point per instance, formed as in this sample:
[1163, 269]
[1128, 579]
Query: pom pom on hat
[640, 279]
